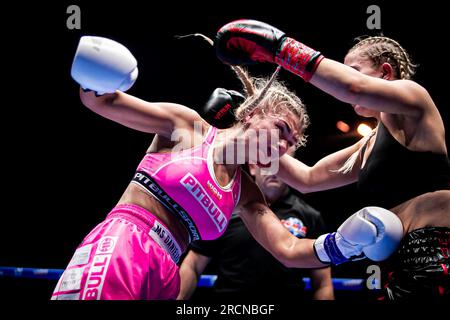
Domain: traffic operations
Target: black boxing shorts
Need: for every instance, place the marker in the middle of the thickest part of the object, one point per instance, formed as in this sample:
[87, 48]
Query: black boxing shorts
[420, 267]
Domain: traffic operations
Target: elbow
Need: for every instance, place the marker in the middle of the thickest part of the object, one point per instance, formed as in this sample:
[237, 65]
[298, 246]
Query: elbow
[303, 189]
[288, 262]
[308, 185]
[286, 257]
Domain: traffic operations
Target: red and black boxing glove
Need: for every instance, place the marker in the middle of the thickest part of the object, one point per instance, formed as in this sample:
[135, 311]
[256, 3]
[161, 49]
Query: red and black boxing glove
[220, 107]
[249, 41]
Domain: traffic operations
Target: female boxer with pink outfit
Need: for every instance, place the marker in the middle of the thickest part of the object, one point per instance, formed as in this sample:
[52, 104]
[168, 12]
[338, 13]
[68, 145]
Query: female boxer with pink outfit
[183, 191]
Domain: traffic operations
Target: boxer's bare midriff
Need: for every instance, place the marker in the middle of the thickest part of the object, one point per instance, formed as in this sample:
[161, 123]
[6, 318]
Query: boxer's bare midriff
[427, 210]
[135, 194]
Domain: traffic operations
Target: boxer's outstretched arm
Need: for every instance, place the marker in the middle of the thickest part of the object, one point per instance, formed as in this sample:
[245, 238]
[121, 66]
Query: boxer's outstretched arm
[249, 41]
[349, 85]
[268, 230]
[161, 118]
[105, 69]
[323, 175]
[371, 232]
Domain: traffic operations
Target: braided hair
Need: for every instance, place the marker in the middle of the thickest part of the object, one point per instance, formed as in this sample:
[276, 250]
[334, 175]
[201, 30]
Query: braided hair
[382, 49]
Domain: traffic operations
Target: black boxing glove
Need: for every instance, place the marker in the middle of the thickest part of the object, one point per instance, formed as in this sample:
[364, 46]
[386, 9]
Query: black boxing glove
[249, 41]
[219, 110]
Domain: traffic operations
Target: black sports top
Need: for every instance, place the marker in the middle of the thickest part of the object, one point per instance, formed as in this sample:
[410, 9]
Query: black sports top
[393, 174]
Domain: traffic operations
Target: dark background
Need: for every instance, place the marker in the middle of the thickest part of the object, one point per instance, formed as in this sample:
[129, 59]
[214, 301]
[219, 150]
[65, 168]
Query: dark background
[64, 167]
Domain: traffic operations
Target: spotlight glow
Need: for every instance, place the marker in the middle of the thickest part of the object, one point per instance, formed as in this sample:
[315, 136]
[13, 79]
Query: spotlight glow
[364, 129]
[342, 126]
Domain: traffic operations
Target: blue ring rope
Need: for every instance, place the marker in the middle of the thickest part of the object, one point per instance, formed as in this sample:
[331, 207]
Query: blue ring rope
[206, 281]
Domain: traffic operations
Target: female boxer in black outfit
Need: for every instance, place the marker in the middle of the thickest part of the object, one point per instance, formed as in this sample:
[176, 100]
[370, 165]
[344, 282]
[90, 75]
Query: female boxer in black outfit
[403, 165]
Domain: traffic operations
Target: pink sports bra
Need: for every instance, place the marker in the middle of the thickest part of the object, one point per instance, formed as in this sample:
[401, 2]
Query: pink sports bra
[185, 183]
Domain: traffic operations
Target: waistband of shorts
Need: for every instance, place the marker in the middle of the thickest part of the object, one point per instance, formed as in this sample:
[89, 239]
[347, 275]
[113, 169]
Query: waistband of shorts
[424, 247]
[155, 228]
[428, 235]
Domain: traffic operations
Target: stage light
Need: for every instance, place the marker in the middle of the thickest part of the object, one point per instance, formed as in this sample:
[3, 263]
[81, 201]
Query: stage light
[364, 129]
[342, 126]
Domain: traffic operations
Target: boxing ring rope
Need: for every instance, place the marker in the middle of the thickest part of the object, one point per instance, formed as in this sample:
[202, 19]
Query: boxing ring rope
[206, 281]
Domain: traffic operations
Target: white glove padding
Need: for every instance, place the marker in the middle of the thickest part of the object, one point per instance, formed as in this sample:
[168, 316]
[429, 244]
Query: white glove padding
[103, 65]
[389, 233]
[372, 232]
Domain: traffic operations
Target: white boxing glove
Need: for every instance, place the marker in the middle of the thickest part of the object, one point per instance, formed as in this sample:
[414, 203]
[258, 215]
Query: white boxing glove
[103, 65]
[372, 232]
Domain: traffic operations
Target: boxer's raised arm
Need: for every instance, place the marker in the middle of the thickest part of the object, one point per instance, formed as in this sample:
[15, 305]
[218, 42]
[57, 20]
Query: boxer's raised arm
[104, 69]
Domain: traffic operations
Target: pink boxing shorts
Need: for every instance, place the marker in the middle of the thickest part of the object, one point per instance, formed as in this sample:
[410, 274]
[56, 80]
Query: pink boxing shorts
[129, 256]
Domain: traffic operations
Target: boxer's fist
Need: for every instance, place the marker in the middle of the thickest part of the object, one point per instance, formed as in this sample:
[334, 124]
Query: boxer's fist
[247, 41]
[220, 107]
[103, 65]
[372, 232]
[250, 41]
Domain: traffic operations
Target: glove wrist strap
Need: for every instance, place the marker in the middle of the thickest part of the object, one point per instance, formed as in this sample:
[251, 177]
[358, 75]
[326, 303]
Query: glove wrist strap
[327, 250]
[298, 58]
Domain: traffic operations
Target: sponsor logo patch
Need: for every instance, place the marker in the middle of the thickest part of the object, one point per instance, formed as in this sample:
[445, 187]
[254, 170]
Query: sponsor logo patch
[67, 296]
[99, 267]
[214, 190]
[295, 226]
[201, 196]
[81, 256]
[71, 279]
[106, 245]
[163, 237]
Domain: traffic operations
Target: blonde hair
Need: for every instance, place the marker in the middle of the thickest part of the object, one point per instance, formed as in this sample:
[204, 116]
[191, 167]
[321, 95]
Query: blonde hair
[347, 167]
[266, 95]
[380, 50]
[271, 96]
